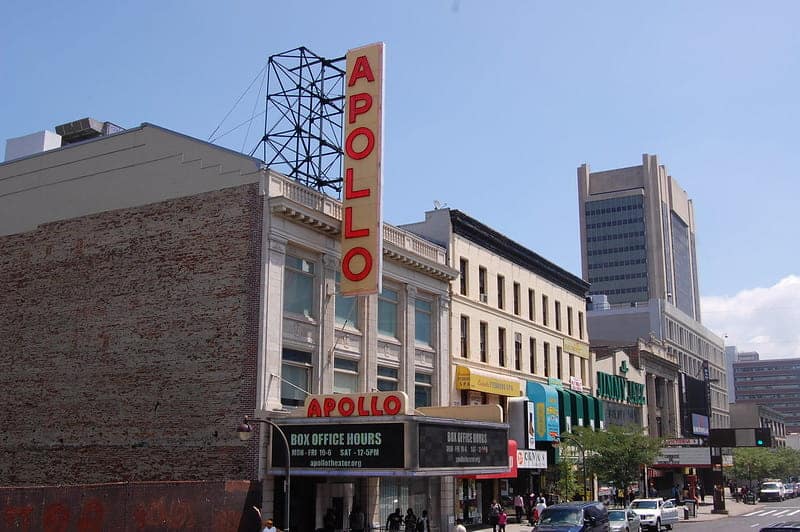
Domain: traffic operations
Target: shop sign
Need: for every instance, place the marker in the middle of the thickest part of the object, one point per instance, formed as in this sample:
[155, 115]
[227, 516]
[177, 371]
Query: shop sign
[545, 400]
[467, 379]
[677, 442]
[362, 234]
[619, 389]
[552, 381]
[576, 384]
[451, 446]
[357, 404]
[528, 459]
[343, 446]
[576, 348]
[684, 456]
[700, 425]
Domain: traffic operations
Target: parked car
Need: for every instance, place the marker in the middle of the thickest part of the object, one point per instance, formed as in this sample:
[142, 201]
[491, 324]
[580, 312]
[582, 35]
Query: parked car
[771, 491]
[788, 488]
[625, 520]
[574, 517]
[655, 513]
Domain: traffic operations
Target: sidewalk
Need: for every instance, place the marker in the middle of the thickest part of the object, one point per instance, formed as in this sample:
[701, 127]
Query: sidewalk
[703, 514]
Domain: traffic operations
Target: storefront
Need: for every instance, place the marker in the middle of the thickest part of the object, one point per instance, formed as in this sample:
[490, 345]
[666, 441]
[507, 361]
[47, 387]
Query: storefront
[367, 451]
[481, 387]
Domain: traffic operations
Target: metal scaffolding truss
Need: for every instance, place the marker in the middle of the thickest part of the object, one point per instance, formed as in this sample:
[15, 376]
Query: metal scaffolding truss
[303, 118]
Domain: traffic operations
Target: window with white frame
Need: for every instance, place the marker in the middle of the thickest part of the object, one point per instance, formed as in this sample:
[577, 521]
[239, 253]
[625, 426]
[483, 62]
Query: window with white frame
[345, 375]
[345, 307]
[517, 351]
[464, 336]
[298, 286]
[423, 311]
[423, 389]
[295, 377]
[388, 301]
[387, 379]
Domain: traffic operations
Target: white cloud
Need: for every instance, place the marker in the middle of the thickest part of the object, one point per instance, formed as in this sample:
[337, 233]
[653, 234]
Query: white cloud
[766, 320]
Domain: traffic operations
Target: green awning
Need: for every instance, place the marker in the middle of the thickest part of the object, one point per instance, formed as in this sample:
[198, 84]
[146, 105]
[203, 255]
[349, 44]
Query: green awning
[578, 408]
[601, 415]
[564, 410]
[591, 411]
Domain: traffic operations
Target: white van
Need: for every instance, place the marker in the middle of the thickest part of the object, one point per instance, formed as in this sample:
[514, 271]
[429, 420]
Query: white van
[771, 491]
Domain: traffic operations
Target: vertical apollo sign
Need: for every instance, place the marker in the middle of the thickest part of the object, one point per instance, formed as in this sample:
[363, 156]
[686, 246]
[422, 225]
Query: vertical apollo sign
[362, 231]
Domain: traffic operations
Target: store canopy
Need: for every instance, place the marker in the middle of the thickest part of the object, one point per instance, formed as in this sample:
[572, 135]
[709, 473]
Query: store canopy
[578, 403]
[565, 410]
[545, 400]
[487, 382]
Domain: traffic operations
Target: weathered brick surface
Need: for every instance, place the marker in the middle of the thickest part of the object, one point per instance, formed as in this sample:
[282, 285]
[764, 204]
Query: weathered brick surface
[128, 343]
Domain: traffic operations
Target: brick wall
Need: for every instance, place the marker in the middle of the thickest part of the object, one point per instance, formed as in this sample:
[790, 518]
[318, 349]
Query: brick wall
[128, 343]
[201, 506]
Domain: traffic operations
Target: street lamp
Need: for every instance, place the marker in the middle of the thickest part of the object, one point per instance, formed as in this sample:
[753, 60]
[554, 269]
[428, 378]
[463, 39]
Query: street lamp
[571, 440]
[246, 432]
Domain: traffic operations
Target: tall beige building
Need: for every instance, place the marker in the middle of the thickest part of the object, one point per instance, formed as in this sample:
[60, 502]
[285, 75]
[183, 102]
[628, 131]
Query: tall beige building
[638, 253]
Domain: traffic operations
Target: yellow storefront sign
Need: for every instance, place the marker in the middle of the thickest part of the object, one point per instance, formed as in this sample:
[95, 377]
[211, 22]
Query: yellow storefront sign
[470, 379]
[576, 348]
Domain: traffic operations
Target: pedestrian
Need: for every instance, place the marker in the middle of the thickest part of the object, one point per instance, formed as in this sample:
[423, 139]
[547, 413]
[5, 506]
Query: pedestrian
[394, 520]
[423, 525]
[540, 506]
[652, 492]
[459, 526]
[502, 519]
[676, 492]
[358, 520]
[410, 521]
[269, 527]
[266, 525]
[519, 507]
[494, 512]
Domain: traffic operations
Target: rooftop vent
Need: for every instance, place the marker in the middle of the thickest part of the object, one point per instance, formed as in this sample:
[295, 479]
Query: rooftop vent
[85, 129]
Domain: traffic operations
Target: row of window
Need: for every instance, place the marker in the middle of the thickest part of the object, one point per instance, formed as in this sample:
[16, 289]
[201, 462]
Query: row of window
[620, 277]
[612, 291]
[781, 368]
[607, 210]
[768, 378]
[483, 293]
[615, 263]
[615, 236]
[517, 362]
[608, 251]
[692, 342]
[296, 374]
[612, 223]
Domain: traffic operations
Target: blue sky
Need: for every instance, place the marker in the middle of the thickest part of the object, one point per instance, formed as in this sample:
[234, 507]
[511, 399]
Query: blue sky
[490, 107]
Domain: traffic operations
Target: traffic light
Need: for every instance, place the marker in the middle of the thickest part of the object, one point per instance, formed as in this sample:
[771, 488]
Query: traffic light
[763, 437]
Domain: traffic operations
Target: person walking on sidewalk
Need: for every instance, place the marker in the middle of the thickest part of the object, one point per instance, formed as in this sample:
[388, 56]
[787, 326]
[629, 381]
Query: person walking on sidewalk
[519, 507]
[502, 519]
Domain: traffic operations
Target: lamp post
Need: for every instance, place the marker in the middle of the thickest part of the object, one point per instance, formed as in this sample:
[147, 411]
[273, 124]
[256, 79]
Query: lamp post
[246, 432]
[571, 440]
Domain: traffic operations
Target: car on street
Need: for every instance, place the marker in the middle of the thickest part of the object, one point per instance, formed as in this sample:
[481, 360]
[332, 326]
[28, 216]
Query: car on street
[771, 491]
[655, 513]
[574, 517]
[624, 520]
[788, 487]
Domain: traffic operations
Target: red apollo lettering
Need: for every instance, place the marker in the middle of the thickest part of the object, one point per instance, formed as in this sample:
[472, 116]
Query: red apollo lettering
[353, 107]
[313, 409]
[328, 404]
[348, 258]
[349, 192]
[349, 232]
[351, 138]
[374, 407]
[346, 406]
[361, 70]
[392, 404]
[361, 410]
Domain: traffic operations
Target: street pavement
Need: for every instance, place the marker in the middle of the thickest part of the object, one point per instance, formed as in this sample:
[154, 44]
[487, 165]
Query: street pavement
[703, 512]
